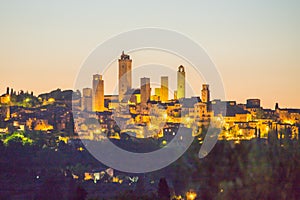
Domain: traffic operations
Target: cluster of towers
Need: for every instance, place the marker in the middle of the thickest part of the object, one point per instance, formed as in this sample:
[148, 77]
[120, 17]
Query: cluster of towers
[93, 98]
[125, 83]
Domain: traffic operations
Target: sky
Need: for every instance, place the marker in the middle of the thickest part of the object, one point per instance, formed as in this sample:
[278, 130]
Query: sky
[254, 44]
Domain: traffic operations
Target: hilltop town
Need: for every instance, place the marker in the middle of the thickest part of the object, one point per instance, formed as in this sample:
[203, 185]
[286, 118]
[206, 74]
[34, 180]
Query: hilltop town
[91, 114]
[44, 134]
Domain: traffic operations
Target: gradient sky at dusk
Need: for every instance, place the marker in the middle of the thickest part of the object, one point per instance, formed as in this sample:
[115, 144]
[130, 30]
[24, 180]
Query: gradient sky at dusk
[255, 44]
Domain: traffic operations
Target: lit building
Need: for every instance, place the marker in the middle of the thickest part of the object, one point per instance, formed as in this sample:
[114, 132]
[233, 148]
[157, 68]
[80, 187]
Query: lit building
[253, 106]
[253, 103]
[86, 100]
[175, 95]
[157, 94]
[125, 77]
[205, 93]
[288, 115]
[164, 90]
[133, 96]
[157, 91]
[180, 82]
[110, 101]
[154, 98]
[201, 111]
[5, 99]
[42, 125]
[145, 90]
[98, 93]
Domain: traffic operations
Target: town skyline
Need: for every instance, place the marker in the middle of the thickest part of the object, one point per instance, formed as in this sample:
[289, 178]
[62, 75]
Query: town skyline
[157, 114]
[138, 74]
[111, 89]
[149, 100]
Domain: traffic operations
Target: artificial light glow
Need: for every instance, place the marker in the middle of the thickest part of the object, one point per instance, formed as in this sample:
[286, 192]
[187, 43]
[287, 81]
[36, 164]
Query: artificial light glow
[288, 122]
[188, 119]
[165, 115]
[191, 195]
[51, 100]
[267, 128]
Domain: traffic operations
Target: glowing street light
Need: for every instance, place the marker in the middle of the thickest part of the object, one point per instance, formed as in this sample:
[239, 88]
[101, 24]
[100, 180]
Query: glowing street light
[191, 195]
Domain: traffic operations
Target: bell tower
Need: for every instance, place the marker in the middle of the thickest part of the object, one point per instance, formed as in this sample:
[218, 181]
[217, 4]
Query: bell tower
[180, 82]
[125, 79]
[205, 93]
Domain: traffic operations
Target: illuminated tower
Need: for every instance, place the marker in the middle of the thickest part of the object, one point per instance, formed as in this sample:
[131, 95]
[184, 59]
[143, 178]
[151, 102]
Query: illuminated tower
[98, 93]
[86, 100]
[145, 90]
[157, 92]
[125, 79]
[205, 93]
[180, 82]
[164, 90]
[156, 96]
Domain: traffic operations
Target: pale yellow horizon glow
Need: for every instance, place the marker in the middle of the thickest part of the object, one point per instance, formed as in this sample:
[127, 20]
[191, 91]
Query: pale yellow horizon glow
[255, 45]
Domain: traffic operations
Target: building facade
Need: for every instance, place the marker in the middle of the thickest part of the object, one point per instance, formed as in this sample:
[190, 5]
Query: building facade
[86, 100]
[164, 90]
[98, 93]
[145, 90]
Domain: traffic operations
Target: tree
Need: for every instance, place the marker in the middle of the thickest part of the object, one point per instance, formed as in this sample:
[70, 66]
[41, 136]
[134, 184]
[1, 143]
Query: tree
[163, 190]
[140, 186]
[50, 189]
[81, 193]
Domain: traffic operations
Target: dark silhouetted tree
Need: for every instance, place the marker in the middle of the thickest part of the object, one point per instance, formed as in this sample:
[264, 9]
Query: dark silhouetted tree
[81, 193]
[140, 186]
[163, 190]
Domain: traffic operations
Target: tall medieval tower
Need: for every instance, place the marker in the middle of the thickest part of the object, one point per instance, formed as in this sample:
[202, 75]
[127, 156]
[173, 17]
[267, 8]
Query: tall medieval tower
[98, 93]
[125, 77]
[205, 93]
[180, 82]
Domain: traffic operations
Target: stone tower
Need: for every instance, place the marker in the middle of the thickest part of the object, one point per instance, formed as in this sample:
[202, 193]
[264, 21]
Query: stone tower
[164, 90]
[125, 77]
[98, 93]
[86, 99]
[180, 82]
[205, 93]
[145, 90]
